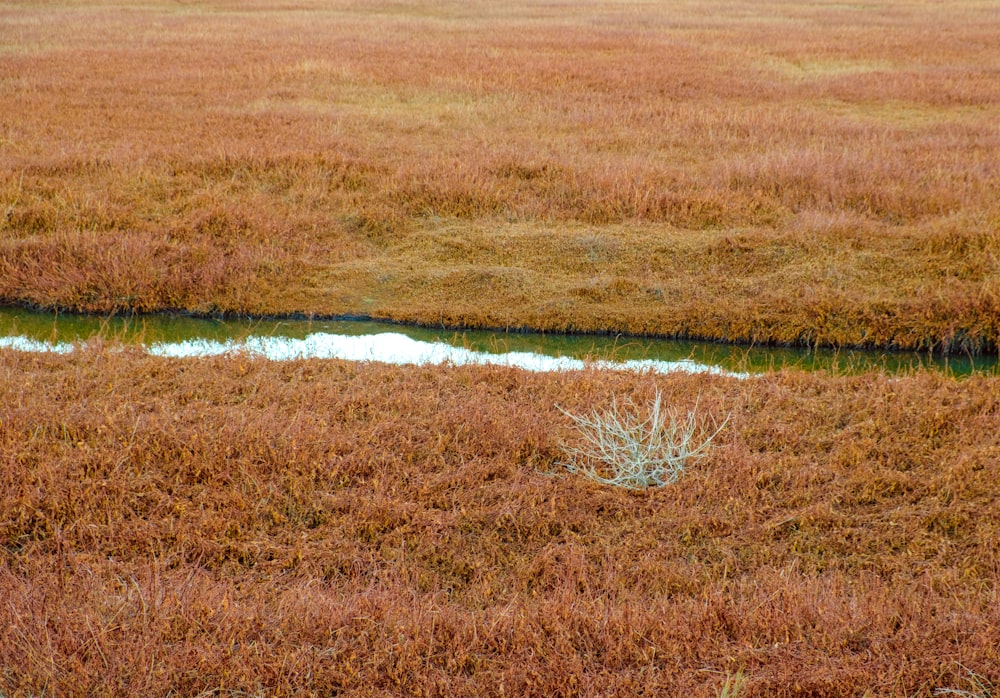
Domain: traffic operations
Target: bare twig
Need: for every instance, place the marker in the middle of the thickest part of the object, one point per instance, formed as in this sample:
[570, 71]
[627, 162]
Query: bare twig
[623, 449]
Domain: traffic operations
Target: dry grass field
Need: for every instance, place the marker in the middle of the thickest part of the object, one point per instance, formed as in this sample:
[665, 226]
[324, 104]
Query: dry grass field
[232, 527]
[813, 173]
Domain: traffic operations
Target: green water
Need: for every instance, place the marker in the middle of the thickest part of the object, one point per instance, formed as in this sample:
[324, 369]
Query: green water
[161, 328]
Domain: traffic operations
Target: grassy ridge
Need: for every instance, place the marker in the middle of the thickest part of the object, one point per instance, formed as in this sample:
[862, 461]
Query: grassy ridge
[766, 172]
[315, 527]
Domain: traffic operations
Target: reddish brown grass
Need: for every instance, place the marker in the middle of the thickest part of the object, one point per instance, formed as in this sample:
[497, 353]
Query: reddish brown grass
[322, 528]
[771, 172]
[768, 172]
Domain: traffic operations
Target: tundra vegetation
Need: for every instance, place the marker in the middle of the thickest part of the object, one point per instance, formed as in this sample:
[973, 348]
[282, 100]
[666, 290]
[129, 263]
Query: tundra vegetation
[806, 173]
[785, 172]
[322, 527]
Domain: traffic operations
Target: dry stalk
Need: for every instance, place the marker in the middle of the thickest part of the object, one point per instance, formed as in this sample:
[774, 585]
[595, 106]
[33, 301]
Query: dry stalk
[624, 449]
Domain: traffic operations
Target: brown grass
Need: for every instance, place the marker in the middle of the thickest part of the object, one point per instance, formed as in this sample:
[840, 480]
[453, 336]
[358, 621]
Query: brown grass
[319, 528]
[768, 172]
[812, 173]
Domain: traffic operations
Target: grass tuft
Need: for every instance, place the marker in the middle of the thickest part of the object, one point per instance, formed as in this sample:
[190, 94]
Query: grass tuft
[733, 685]
[620, 447]
[979, 687]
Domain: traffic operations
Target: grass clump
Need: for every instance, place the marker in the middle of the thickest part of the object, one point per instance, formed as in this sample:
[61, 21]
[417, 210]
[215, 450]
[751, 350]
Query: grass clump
[733, 686]
[620, 447]
[979, 687]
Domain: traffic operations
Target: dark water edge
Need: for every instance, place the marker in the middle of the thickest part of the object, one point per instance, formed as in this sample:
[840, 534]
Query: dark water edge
[148, 329]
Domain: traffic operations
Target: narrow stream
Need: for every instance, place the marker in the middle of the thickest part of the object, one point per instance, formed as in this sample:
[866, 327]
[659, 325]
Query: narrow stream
[182, 336]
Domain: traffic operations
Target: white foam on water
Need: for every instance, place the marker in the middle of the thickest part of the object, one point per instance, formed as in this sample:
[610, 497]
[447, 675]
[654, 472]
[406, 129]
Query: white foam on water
[387, 347]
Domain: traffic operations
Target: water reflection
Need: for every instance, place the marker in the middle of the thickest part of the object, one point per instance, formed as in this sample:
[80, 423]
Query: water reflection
[396, 348]
[182, 336]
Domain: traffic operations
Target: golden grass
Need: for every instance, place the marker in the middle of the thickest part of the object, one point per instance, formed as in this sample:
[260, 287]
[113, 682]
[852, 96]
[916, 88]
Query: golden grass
[770, 172]
[323, 528]
[813, 173]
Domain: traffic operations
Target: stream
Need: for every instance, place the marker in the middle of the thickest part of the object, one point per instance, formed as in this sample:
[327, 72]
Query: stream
[184, 336]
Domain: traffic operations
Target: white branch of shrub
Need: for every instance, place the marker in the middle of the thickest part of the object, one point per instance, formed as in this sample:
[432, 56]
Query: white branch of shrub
[622, 448]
